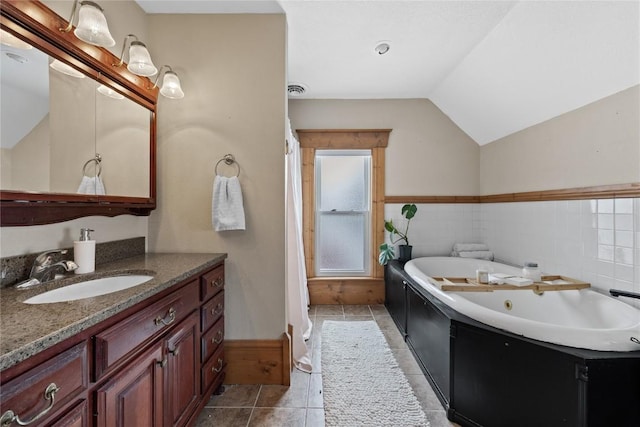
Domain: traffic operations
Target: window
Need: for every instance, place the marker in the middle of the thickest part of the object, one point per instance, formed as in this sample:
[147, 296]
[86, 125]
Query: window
[343, 212]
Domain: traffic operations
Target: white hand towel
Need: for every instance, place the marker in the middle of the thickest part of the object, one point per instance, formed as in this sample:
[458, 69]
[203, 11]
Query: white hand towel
[488, 255]
[91, 185]
[227, 210]
[460, 247]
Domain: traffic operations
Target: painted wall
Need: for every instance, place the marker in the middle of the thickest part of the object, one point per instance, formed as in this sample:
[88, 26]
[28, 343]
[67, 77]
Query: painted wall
[427, 154]
[597, 144]
[232, 69]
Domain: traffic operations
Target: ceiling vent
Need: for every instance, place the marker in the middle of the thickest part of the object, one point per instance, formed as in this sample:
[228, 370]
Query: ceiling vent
[296, 90]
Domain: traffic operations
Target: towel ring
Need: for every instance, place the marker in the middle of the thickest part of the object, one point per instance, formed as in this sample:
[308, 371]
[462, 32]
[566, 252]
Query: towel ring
[229, 160]
[97, 160]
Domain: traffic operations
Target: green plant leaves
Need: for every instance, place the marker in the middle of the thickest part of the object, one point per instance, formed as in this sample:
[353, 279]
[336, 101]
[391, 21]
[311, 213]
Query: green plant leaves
[409, 211]
[386, 254]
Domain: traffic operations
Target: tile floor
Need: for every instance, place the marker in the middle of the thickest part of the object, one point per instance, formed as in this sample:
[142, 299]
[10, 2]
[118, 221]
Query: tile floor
[301, 404]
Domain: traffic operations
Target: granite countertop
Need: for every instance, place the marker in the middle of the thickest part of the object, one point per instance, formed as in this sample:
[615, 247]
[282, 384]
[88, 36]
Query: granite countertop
[27, 329]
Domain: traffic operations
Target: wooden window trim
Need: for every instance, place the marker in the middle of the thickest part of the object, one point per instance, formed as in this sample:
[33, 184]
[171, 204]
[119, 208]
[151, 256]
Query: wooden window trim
[343, 139]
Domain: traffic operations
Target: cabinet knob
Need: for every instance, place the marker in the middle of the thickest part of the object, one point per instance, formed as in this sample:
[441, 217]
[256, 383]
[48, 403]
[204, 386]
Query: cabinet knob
[219, 368]
[162, 363]
[218, 282]
[171, 315]
[218, 309]
[175, 351]
[10, 417]
[218, 338]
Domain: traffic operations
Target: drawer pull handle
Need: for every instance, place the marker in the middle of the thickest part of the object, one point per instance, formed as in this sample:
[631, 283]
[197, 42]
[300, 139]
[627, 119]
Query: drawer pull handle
[218, 338]
[162, 363]
[219, 368]
[218, 310]
[175, 351]
[10, 417]
[218, 282]
[171, 315]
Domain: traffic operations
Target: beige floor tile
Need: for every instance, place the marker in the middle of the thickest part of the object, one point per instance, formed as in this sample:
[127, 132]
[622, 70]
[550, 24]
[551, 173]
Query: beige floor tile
[312, 310]
[379, 310]
[357, 310]
[224, 417]
[386, 322]
[315, 360]
[236, 396]
[329, 310]
[294, 396]
[316, 399]
[394, 338]
[278, 417]
[315, 417]
[425, 394]
[406, 361]
[438, 419]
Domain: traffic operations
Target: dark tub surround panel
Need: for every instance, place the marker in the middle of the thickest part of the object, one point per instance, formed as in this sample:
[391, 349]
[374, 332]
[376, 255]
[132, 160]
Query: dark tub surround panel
[484, 376]
[148, 355]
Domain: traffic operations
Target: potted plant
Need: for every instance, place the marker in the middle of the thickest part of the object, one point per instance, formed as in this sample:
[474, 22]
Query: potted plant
[386, 250]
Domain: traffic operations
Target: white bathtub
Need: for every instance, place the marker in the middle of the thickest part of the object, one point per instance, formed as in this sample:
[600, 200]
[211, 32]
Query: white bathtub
[582, 319]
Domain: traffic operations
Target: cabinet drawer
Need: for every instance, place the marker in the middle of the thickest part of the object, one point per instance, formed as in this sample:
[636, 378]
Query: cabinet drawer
[212, 339]
[212, 311]
[214, 369]
[65, 376]
[212, 282]
[119, 340]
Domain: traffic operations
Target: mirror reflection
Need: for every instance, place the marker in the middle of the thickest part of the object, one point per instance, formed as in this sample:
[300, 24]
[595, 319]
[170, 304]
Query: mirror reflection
[63, 132]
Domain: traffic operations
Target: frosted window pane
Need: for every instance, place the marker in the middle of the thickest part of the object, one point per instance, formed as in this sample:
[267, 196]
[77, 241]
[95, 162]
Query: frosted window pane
[343, 183]
[341, 243]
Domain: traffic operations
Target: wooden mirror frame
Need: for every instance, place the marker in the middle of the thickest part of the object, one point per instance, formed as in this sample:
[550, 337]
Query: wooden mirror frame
[39, 26]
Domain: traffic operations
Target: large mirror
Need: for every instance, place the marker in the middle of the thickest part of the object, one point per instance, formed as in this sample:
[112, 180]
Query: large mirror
[77, 135]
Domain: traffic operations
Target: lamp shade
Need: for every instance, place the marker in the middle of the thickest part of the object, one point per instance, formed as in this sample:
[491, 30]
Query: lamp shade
[171, 86]
[107, 91]
[9, 39]
[92, 25]
[140, 61]
[66, 69]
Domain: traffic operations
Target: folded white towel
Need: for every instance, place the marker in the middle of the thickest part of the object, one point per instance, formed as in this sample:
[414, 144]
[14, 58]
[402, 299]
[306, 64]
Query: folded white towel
[227, 210]
[488, 255]
[91, 185]
[459, 247]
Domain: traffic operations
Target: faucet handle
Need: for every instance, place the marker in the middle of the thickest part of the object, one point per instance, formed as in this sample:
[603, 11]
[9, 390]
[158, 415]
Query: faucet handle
[44, 260]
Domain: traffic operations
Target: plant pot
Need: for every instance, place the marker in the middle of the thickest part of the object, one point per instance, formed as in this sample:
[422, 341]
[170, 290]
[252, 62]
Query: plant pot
[404, 253]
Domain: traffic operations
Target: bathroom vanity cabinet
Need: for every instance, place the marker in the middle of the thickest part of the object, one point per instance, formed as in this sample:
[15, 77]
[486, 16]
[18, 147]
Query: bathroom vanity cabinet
[484, 376]
[154, 364]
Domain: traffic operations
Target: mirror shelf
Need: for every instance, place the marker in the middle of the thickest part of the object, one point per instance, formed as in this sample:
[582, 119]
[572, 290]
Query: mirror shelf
[36, 24]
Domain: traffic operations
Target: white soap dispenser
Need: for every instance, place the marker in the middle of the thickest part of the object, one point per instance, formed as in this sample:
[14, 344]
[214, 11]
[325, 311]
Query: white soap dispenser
[84, 252]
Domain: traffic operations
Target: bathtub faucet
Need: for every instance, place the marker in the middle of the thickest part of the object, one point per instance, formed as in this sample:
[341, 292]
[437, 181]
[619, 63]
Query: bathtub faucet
[619, 293]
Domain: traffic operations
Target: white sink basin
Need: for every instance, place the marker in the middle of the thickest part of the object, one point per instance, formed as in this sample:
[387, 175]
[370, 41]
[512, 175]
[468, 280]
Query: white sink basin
[89, 288]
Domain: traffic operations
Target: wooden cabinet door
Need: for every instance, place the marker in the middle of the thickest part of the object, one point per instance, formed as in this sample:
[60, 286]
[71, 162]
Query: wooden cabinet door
[133, 397]
[76, 417]
[182, 371]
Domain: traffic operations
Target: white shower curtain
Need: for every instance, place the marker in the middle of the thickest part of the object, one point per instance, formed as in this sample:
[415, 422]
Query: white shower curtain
[297, 293]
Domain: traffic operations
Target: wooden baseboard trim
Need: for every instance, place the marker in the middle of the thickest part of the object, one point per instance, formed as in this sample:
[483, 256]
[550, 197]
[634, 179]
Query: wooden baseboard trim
[258, 361]
[344, 290]
[582, 193]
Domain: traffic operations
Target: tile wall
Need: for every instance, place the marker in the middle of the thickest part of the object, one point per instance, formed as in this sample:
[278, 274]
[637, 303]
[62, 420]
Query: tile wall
[597, 241]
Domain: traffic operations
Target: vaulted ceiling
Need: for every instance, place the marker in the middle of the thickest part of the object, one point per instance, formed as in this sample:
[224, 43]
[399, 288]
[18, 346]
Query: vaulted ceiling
[494, 67]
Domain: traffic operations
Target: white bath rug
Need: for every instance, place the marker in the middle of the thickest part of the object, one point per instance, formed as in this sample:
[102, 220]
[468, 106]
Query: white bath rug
[361, 380]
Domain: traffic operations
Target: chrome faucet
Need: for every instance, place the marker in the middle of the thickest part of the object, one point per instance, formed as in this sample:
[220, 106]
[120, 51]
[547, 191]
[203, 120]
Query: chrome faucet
[44, 269]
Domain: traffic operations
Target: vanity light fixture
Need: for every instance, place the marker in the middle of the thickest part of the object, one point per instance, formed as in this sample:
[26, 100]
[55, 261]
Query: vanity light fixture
[139, 59]
[92, 25]
[170, 84]
[107, 91]
[8, 39]
[66, 69]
